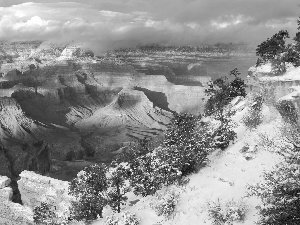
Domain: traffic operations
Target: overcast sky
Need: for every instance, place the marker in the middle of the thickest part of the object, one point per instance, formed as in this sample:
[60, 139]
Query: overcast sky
[121, 23]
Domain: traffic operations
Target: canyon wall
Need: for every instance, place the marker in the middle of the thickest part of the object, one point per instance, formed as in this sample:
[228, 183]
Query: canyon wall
[276, 89]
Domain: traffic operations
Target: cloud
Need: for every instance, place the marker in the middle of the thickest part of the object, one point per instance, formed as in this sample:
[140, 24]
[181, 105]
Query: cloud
[108, 24]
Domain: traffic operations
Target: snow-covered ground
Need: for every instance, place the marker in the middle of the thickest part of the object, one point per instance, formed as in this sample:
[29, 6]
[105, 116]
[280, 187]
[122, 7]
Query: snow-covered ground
[225, 178]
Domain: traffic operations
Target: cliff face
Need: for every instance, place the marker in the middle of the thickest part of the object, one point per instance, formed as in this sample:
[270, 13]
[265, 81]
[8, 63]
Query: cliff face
[12, 213]
[35, 189]
[276, 89]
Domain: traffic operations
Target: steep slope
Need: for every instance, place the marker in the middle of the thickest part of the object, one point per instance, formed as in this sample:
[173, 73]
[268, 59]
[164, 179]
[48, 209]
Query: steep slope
[225, 178]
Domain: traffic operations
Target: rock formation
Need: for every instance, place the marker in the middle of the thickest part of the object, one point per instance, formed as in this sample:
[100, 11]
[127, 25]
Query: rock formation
[12, 213]
[35, 189]
[276, 89]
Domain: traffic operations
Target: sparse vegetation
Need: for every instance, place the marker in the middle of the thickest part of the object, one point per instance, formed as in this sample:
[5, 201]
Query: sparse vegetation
[127, 218]
[226, 213]
[165, 203]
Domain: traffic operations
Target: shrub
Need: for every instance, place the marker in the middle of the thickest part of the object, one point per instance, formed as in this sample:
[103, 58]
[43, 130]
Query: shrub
[288, 111]
[221, 91]
[44, 214]
[88, 188]
[279, 194]
[126, 219]
[139, 148]
[149, 173]
[254, 115]
[187, 143]
[226, 213]
[224, 133]
[165, 202]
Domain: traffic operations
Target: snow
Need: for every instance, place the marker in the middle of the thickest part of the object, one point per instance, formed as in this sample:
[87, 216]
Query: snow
[290, 75]
[225, 178]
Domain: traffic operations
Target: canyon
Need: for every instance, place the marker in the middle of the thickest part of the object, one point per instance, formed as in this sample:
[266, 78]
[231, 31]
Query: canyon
[62, 108]
[60, 103]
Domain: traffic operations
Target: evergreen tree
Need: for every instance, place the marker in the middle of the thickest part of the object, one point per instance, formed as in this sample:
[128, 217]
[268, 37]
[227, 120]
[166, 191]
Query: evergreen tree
[225, 133]
[221, 91]
[118, 187]
[150, 173]
[88, 188]
[273, 46]
[185, 143]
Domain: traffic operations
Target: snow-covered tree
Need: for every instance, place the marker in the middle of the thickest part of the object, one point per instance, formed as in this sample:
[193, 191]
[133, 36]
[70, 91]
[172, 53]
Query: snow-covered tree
[117, 186]
[150, 173]
[221, 91]
[280, 195]
[224, 133]
[185, 144]
[273, 46]
[88, 188]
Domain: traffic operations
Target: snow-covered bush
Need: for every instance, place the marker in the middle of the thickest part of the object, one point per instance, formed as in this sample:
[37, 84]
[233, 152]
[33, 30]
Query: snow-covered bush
[44, 214]
[127, 218]
[150, 173]
[187, 143]
[288, 111]
[254, 115]
[222, 90]
[224, 134]
[280, 194]
[227, 212]
[165, 202]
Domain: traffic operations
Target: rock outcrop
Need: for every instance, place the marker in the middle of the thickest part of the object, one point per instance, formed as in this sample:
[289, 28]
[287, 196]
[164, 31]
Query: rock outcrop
[35, 188]
[6, 192]
[12, 213]
[277, 89]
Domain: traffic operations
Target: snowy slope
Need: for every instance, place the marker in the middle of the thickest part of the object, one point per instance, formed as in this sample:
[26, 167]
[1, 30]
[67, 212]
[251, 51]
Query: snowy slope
[225, 178]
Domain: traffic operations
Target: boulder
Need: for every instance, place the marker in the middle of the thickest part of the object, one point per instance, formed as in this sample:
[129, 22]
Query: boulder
[4, 181]
[6, 194]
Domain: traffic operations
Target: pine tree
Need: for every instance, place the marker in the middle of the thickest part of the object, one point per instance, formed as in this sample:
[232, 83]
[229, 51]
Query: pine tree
[118, 186]
[88, 188]
[221, 91]
[273, 46]
[225, 133]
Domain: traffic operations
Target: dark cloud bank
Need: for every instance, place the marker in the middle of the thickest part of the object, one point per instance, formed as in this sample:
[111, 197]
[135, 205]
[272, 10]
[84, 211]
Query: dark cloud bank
[125, 23]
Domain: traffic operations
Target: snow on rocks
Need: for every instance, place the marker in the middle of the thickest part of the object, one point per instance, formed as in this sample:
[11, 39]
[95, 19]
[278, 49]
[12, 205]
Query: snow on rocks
[12, 213]
[4, 181]
[6, 192]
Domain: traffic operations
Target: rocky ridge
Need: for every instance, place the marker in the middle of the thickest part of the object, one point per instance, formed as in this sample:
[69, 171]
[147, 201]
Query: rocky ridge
[276, 89]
